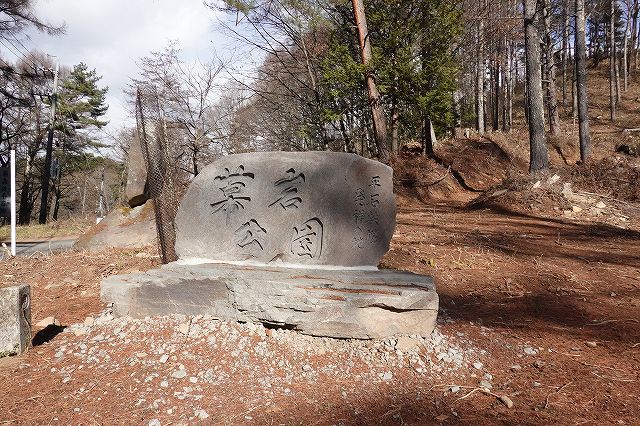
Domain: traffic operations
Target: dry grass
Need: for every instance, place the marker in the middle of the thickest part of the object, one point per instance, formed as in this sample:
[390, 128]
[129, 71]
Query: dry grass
[61, 228]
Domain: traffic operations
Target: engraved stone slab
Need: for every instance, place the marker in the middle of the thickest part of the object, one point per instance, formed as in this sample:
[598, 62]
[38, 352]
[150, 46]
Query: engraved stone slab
[15, 319]
[311, 208]
[356, 304]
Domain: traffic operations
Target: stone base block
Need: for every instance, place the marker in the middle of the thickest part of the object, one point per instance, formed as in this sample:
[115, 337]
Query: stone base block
[15, 320]
[333, 303]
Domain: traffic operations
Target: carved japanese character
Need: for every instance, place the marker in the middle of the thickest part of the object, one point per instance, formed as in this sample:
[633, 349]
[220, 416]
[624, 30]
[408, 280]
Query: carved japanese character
[250, 233]
[307, 239]
[360, 197]
[289, 190]
[232, 186]
[375, 181]
[375, 200]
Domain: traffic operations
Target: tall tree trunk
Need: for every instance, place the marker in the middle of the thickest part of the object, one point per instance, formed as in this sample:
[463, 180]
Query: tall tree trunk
[26, 207]
[377, 114]
[625, 56]
[539, 155]
[581, 82]
[480, 73]
[565, 50]
[634, 33]
[495, 106]
[506, 86]
[554, 117]
[612, 59]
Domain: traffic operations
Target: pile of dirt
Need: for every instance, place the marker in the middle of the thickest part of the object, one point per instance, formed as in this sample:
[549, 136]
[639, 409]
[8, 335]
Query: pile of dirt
[617, 177]
[422, 179]
[480, 163]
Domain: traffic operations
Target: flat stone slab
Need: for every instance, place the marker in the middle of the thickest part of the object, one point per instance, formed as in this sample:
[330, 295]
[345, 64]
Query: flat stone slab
[15, 319]
[300, 208]
[359, 304]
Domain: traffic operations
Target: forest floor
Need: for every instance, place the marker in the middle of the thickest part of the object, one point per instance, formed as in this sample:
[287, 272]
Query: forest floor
[539, 323]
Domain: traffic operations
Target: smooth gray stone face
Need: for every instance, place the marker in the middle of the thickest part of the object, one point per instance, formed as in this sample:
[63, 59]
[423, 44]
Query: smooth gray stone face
[344, 304]
[136, 189]
[316, 208]
[15, 319]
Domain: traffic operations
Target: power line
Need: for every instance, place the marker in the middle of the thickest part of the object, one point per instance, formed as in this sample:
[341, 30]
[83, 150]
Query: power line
[20, 51]
[21, 44]
[18, 55]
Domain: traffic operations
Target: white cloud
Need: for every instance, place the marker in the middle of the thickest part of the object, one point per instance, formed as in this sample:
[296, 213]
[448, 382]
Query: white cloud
[111, 35]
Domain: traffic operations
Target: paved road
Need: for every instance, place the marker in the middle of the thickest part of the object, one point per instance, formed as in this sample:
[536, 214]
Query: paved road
[27, 248]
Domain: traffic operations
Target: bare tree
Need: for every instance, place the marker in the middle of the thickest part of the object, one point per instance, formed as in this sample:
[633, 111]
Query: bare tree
[539, 156]
[581, 81]
[612, 59]
[187, 96]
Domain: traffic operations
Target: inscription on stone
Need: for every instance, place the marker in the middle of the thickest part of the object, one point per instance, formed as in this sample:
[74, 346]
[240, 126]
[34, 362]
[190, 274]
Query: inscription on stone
[366, 214]
[307, 239]
[250, 233]
[233, 187]
[318, 208]
[288, 187]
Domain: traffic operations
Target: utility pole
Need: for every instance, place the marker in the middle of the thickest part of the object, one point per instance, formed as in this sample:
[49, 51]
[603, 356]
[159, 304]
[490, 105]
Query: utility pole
[46, 175]
[13, 202]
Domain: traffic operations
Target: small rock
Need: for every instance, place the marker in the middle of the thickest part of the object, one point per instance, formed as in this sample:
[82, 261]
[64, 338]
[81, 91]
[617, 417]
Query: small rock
[47, 322]
[530, 351]
[80, 331]
[154, 422]
[537, 384]
[477, 365]
[536, 185]
[98, 338]
[591, 344]
[553, 179]
[164, 384]
[201, 414]
[488, 376]
[179, 374]
[539, 364]
[306, 368]
[164, 358]
[454, 389]
[88, 321]
[485, 384]
[184, 328]
[600, 205]
[406, 344]
[516, 367]
[193, 379]
[387, 376]
[576, 209]
[506, 401]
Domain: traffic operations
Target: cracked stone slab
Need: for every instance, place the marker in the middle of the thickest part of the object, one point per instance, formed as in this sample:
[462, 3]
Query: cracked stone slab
[15, 319]
[289, 208]
[334, 303]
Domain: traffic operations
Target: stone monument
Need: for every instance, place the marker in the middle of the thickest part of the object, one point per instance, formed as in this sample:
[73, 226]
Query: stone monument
[15, 320]
[290, 240]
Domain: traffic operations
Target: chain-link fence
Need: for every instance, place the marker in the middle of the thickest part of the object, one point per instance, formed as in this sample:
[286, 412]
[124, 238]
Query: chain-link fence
[162, 172]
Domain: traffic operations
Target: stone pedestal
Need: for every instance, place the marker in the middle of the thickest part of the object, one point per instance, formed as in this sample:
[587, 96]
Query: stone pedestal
[359, 304]
[15, 320]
